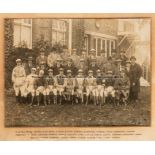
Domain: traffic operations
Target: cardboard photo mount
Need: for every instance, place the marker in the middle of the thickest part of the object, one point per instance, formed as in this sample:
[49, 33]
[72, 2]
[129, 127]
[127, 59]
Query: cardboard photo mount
[77, 133]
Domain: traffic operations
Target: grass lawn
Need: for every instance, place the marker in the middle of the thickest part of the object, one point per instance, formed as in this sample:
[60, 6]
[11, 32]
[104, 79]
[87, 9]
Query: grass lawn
[137, 114]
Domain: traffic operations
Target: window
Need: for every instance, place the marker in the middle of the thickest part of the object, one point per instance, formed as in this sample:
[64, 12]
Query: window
[59, 28]
[23, 33]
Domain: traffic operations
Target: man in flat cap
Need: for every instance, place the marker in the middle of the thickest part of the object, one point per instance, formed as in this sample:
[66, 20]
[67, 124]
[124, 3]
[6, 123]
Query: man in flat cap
[134, 74]
[18, 79]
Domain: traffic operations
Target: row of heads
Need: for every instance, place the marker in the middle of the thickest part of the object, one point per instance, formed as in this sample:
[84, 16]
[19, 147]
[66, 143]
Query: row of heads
[79, 71]
[82, 60]
[85, 50]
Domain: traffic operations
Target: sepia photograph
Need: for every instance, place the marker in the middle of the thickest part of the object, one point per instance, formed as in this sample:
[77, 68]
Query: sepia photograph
[77, 72]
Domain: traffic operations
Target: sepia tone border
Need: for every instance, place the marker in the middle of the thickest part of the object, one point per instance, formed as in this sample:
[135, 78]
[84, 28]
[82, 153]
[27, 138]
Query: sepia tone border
[143, 133]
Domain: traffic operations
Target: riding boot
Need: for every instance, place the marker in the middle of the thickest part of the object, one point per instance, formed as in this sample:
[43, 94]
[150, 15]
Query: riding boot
[17, 99]
[32, 98]
[45, 100]
[87, 100]
[60, 99]
[48, 99]
[55, 99]
[38, 100]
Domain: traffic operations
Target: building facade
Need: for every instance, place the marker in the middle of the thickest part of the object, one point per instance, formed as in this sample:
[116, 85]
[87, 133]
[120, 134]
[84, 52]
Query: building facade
[74, 33]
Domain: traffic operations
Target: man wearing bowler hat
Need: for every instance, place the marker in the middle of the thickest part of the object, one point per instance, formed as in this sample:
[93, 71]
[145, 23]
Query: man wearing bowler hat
[134, 74]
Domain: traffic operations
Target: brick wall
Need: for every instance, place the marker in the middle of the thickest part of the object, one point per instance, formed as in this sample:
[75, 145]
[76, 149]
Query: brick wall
[78, 34]
[106, 26]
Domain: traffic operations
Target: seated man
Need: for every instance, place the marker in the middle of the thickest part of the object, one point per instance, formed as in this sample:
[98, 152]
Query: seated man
[40, 87]
[122, 88]
[50, 86]
[99, 90]
[60, 84]
[30, 83]
[90, 86]
[79, 86]
[69, 86]
[109, 91]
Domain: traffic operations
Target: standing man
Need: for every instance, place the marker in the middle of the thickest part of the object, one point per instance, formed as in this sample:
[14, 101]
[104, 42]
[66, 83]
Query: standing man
[29, 65]
[70, 66]
[84, 56]
[83, 67]
[108, 66]
[113, 56]
[18, 79]
[134, 74]
[75, 58]
[93, 66]
[51, 58]
[65, 55]
[123, 57]
[92, 55]
[41, 58]
[57, 66]
[101, 60]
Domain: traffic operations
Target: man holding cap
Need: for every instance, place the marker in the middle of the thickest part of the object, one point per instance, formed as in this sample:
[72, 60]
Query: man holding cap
[134, 74]
[18, 79]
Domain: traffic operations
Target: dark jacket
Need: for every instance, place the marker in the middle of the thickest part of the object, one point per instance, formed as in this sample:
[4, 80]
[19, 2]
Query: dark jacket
[134, 74]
